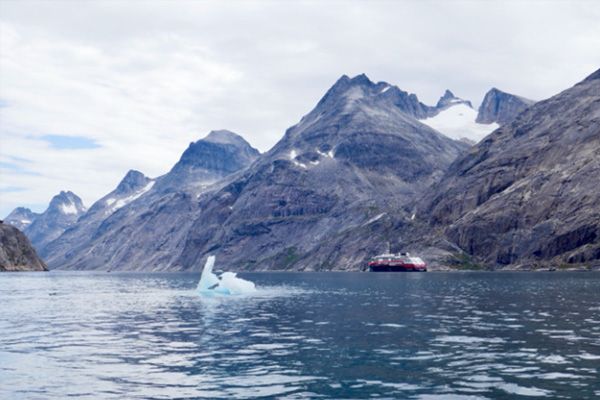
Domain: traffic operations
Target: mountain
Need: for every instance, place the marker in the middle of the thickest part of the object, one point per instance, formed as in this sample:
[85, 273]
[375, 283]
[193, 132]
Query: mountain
[21, 218]
[456, 118]
[501, 107]
[16, 252]
[347, 169]
[64, 210]
[140, 224]
[526, 195]
[331, 192]
[131, 187]
[457, 121]
[208, 160]
[448, 99]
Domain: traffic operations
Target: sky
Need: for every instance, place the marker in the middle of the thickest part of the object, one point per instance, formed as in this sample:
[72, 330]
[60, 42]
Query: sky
[89, 90]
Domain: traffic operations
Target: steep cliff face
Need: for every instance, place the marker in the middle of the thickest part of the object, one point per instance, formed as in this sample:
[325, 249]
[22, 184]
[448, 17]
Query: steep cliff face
[501, 107]
[142, 223]
[330, 192]
[64, 210]
[527, 194]
[16, 252]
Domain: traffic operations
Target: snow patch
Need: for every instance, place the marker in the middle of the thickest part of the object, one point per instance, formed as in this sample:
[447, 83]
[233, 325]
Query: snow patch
[458, 122]
[352, 96]
[293, 155]
[375, 218]
[69, 208]
[126, 200]
[385, 89]
[329, 154]
[110, 201]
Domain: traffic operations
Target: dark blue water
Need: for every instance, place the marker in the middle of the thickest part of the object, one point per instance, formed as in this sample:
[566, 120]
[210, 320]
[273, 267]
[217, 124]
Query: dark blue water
[312, 335]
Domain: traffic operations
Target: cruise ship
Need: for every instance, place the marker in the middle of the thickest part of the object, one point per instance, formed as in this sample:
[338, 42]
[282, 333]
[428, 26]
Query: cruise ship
[401, 262]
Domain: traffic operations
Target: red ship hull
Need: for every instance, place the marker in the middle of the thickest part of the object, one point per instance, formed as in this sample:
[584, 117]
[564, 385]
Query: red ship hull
[396, 268]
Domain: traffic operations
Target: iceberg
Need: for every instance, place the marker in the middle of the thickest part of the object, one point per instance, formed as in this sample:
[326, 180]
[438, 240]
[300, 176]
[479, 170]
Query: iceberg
[226, 284]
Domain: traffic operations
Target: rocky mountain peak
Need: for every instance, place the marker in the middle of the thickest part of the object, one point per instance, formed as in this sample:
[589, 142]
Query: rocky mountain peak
[501, 107]
[209, 159]
[64, 210]
[21, 217]
[224, 136]
[133, 181]
[448, 99]
[66, 202]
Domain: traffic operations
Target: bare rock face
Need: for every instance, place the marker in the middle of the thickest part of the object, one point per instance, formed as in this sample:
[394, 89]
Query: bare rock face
[528, 195]
[501, 107]
[64, 210]
[16, 252]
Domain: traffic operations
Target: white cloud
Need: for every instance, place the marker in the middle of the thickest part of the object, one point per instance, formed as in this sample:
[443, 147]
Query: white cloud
[143, 79]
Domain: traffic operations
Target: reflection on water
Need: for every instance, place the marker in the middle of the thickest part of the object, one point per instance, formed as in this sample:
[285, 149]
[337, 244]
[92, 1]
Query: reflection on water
[330, 335]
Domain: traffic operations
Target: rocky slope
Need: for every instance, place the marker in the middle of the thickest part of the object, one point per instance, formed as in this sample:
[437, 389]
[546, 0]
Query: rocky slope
[21, 218]
[64, 210]
[331, 192]
[146, 230]
[526, 195]
[501, 107]
[132, 186]
[16, 252]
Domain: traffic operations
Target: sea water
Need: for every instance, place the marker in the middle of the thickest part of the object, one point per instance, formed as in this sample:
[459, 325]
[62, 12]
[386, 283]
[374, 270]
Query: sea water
[300, 336]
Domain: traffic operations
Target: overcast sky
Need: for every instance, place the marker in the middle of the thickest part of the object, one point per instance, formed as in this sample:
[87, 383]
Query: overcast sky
[89, 90]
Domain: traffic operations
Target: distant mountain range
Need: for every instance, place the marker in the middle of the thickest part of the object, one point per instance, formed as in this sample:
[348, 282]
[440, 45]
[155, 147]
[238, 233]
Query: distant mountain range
[370, 168]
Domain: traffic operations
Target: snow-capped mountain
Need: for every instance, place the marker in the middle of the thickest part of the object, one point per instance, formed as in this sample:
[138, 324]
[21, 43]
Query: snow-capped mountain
[152, 213]
[331, 191]
[131, 187]
[457, 119]
[21, 218]
[346, 169]
[64, 210]
[526, 195]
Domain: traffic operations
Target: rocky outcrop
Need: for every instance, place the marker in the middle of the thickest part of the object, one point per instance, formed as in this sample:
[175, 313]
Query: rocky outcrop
[501, 107]
[16, 252]
[142, 223]
[526, 195]
[64, 210]
[21, 218]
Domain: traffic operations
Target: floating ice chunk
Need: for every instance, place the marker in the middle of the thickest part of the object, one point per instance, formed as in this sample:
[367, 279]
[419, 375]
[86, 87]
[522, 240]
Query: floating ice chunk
[227, 284]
